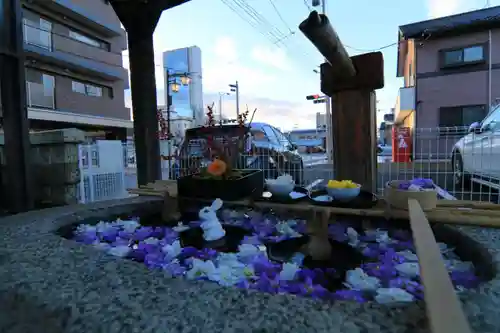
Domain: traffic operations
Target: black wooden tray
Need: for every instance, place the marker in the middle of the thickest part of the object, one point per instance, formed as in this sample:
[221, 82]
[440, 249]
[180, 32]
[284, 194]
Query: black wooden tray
[364, 200]
[269, 197]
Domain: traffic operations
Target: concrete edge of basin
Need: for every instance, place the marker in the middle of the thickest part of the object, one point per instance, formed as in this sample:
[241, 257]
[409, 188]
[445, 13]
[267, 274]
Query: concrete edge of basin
[70, 284]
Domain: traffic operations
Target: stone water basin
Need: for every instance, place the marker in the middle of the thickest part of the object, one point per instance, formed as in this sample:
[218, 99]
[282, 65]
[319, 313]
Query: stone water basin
[75, 287]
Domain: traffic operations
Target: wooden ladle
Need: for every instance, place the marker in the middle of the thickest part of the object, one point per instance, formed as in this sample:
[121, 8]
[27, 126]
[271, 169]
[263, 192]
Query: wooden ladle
[318, 247]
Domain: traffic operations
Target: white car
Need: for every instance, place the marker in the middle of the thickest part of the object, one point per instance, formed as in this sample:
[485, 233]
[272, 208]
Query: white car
[476, 156]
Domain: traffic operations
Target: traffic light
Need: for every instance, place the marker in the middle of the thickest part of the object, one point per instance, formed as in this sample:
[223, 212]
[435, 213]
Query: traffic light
[312, 97]
[318, 101]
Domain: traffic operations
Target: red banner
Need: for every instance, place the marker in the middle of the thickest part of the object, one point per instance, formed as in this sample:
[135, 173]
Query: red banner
[401, 144]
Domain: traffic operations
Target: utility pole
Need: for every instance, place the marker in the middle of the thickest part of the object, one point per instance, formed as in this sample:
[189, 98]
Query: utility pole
[236, 89]
[329, 134]
[15, 113]
[220, 104]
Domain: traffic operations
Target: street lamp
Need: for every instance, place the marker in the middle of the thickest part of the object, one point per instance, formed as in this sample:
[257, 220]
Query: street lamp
[174, 87]
[236, 89]
[221, 94]
[185, 80]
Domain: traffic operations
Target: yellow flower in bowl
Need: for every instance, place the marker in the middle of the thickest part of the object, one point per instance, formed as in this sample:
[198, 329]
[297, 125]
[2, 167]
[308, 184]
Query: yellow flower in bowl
[342, 190]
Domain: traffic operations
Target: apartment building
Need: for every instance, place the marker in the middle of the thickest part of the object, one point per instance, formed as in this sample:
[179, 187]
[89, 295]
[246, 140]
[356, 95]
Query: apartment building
[187, 101]
[74, 70]
[451, 71]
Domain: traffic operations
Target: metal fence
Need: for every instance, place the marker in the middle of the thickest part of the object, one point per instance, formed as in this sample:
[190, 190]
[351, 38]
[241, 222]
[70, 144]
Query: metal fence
[464, 166]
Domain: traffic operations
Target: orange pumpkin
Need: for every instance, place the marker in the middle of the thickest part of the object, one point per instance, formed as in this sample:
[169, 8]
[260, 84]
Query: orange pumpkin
[217, 167]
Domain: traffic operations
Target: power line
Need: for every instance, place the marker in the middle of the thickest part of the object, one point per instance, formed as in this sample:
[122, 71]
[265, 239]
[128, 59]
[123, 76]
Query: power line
[372, 50]
[281, 17]
[308, 6]
[259, 18]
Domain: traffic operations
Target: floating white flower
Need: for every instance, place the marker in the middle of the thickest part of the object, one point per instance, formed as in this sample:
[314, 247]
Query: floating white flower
[129, 225]
[408, 255]
[285, 229]
[357, 279]
[247, 250]
[393, 295]
[200, 269]
[151, 240]
[288, 271]
[409, 269]
[353, 237]
[172, 250]
[180, 227]
[119, 251]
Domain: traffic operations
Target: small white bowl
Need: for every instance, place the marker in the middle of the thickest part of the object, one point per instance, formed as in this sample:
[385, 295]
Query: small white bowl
[280, 189]
[343, 194]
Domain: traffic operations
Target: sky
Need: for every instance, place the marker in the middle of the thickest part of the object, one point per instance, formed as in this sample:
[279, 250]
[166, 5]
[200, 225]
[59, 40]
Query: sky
[257, 42]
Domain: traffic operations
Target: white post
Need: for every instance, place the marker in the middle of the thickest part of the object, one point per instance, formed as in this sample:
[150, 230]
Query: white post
[237, 99]
[329, 134]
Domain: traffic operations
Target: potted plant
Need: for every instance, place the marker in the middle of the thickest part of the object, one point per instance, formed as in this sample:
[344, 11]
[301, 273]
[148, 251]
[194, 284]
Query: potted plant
[221, 178]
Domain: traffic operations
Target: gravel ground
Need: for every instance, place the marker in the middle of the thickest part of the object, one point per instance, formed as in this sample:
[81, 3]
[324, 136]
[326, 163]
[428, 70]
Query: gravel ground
[50, 284]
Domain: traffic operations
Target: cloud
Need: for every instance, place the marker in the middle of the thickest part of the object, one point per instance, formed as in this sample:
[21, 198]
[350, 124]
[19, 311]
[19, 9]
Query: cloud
[276, 57]
[440, 8]
[226, 67]
[280, 113]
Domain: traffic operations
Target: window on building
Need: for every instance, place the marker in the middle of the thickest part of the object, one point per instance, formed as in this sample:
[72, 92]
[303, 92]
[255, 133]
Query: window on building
[40, 89]
[37, 31]
[88, 40]
[459, 118]
[86, 89]
[463, 56]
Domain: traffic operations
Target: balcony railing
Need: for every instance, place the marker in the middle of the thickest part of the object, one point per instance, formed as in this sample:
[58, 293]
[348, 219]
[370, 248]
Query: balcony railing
[39, 95]
[40, 36]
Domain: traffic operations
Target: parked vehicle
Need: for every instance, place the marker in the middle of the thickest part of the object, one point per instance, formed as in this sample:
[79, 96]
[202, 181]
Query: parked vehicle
[265, 148]
[315, 150]
[476, 156]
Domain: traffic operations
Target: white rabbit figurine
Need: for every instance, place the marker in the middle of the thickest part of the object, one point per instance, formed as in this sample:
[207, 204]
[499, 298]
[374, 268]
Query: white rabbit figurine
[212, 228]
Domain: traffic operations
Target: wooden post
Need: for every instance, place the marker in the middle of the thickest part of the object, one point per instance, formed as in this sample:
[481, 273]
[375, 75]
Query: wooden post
[351, 82]
[354, 118]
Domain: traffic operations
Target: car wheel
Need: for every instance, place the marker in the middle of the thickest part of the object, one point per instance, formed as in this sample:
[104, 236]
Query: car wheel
[460, 178]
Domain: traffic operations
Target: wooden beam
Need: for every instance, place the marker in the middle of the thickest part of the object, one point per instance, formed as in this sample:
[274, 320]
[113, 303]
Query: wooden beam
[444, 310]
[369, 75]
[354, 139]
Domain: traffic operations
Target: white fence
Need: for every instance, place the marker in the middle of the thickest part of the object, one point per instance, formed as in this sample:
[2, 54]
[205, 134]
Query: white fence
[102, 166]
[474, 173]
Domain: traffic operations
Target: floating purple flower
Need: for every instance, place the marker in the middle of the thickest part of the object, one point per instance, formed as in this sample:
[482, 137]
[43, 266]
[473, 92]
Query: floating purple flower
[147, 247]
[125, 234]
[188, 252]
[109, 235]
[142, 233]
[170, 236]
[154, 260]
[87, 237]
[465, 279]
[308, 288]
[206, 254]
[371, 251]
[413, 287]
[137, 255]
[252, 240]
[262, 266]
[158, 232]
[120, 241]
[381, 271]
[174, 268]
